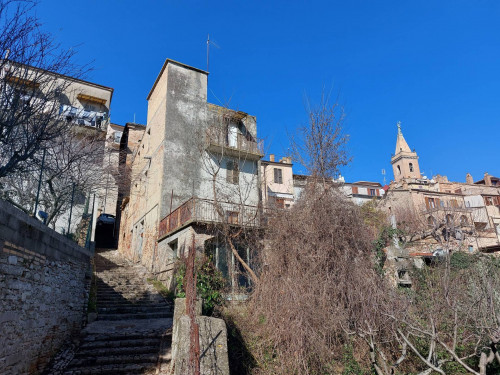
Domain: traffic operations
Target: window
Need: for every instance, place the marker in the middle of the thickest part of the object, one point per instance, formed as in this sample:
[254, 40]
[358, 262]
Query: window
[431, 203]
[280, 203]
[278, 176]
[431, 222]
[355, 190]
[463, 220]
[411, 167]
[232, 217]
[117, 137]
[233, 172]
[372, 192]
[399, 169]
[488, 201]
[454, 203]
[174, 246]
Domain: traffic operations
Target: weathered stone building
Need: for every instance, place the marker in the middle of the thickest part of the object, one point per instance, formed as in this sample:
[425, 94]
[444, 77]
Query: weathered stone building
[195, 168]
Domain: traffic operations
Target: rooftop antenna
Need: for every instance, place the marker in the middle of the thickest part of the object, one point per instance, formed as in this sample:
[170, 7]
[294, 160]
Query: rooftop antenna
[208, 49]
[383, 174]
[134, 118]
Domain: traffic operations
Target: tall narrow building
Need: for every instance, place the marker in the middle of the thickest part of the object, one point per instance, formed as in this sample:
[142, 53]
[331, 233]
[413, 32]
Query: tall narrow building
[404, 161]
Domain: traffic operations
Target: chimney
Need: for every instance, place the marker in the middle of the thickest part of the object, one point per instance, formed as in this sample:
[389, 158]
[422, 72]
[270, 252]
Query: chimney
[271, 157]
[487, 179]
[469, 179]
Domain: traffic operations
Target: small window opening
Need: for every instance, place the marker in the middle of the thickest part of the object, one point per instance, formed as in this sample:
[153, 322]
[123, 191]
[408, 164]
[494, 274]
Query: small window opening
[278, 176]
[233, 172]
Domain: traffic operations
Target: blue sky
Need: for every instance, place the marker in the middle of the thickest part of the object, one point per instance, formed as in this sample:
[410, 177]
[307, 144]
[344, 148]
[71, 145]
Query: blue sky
[433, 65]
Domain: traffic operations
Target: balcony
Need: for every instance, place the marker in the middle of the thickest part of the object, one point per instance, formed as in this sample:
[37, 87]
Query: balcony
[205, 211]
[446, 207]
[220, 142]
[80, 116]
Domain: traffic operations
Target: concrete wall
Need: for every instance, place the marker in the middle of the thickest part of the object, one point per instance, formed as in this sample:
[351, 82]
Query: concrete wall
[44, 279]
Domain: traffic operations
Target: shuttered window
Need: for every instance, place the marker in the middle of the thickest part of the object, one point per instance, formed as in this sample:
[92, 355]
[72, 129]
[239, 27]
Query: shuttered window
[278, 176]
[355, 190]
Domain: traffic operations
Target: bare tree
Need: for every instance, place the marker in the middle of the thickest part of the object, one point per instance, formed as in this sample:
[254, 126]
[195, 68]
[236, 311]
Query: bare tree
[452, 324]
[319, 292]
[31, 87]
[73, 165]
[449, 226]
[231, 189]
[320, 146]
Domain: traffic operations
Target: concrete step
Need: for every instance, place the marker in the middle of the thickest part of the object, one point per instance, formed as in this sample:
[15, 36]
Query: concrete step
[136, 302]
[134, 309]
[166, 314]
[116, 343]
[122, 302]
[118, 351]
[113, 369]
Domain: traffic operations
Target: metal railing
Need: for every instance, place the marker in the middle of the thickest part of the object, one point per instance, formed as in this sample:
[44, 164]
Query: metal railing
[209, 212]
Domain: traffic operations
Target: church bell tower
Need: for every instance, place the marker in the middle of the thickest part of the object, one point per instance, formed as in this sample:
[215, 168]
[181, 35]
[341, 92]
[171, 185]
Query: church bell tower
[404, 161]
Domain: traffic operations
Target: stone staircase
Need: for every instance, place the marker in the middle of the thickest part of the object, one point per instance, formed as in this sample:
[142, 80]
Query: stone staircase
[132, 333]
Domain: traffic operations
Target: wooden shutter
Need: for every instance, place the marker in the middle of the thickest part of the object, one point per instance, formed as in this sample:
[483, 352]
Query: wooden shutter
[436, 200]
[427, 202]
[236, 173]
[355, 190]
[378, 193]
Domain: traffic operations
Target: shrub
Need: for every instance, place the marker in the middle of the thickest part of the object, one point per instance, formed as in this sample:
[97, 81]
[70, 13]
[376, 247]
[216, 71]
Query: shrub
[209, 283]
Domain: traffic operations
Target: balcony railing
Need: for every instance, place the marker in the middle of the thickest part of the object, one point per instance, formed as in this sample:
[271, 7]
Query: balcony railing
[207, 211]
[447, 208]
[238, 145]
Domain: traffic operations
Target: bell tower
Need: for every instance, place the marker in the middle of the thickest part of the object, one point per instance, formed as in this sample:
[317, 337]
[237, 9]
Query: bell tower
[404, 161]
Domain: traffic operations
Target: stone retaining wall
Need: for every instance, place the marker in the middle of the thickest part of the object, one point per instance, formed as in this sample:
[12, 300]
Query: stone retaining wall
[44, 280]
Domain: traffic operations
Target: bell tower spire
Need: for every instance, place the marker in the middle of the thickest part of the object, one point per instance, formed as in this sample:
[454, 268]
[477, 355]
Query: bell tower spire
[404, 161]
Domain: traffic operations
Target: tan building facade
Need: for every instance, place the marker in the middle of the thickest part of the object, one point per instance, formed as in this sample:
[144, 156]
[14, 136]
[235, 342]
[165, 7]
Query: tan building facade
[443, 214]
[277, 182]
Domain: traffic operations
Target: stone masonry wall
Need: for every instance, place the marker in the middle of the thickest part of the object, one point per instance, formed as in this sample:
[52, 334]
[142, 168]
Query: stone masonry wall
[44, 279]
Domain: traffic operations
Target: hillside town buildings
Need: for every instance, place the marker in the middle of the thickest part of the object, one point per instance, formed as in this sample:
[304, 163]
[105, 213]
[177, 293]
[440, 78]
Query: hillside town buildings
[443, 214]
[64, 100]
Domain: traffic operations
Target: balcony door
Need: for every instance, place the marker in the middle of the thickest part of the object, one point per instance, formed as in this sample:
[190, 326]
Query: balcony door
[232, 135]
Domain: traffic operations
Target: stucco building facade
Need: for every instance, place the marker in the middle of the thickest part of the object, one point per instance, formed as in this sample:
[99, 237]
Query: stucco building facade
[194, 169]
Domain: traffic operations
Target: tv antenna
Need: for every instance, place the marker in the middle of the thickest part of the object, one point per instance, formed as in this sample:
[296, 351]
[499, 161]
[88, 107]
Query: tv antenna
[208, 49]
[383, 174]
